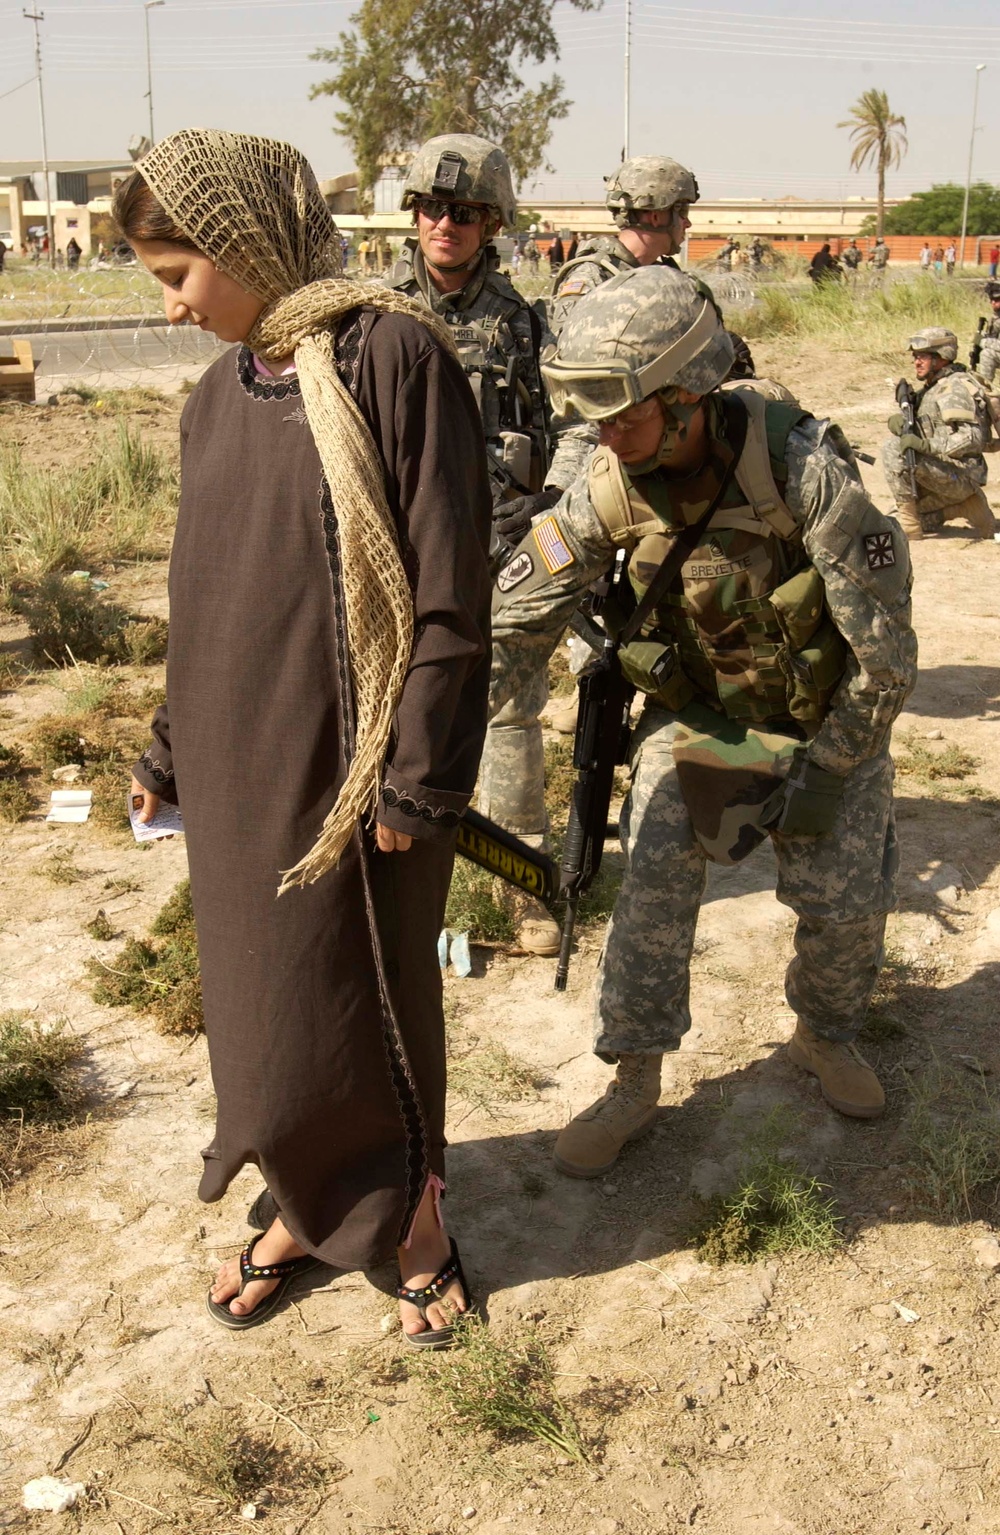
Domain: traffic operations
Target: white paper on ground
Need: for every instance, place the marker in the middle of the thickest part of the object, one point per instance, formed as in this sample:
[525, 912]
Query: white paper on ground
[165, 823]
[70, 805]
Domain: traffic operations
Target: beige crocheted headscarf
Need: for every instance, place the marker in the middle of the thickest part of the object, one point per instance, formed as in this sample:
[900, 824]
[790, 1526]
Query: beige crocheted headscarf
[253, 206]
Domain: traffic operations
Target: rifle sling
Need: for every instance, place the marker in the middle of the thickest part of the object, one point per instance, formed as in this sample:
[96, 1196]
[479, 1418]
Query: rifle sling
[687, 540]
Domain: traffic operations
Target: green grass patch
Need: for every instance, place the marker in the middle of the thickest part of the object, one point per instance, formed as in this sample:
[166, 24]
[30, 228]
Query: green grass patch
[476, 905]
[844, 314]
[69, 623]
[774, 1206]
[953, 1129]
[16, 800]
[504, 1387]
[946, 769]
[120, 505]
[40, 1086]
[232, 1462]
[158, 975]
[101, 928]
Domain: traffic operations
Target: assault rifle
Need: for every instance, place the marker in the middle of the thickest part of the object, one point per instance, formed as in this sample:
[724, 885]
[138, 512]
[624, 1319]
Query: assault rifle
[976, 349]
[600, 745]
[906, 400]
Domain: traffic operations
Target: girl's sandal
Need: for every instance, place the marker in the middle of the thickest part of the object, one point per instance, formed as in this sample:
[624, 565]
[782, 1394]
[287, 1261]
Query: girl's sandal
[439, 1337]
[249, 1271]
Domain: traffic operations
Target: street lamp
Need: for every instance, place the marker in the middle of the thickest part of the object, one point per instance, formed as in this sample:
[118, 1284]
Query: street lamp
[968, 176]
[148, 5]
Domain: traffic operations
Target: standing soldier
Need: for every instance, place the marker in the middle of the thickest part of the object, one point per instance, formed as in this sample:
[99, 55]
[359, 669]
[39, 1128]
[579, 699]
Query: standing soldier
[460, 193]
[775, 660]
[952, 429]
[988, 339]
[852, 258]
[878, 260]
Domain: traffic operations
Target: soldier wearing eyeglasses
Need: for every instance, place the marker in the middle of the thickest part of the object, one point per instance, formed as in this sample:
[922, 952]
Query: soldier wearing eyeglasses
[460, 192]
[774, 656]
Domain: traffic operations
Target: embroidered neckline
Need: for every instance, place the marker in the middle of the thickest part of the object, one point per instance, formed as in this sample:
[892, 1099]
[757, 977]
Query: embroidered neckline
[260, 387]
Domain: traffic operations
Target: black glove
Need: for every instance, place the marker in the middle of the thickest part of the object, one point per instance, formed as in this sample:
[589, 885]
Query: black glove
[512, 519]
[807, 804]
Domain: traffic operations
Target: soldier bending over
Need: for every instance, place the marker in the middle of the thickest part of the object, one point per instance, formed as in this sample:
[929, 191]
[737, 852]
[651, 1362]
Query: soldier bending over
[774, 664]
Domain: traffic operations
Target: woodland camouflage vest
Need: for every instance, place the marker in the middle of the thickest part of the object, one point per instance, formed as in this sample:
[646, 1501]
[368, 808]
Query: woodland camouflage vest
[744, 627]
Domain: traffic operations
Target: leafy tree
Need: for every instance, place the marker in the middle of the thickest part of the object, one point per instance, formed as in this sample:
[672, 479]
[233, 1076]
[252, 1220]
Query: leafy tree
[414, 68]
[879, 139]
[939, 211]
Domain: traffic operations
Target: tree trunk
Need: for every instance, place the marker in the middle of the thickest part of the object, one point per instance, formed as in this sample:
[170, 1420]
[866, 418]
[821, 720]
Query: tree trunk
[883, 154]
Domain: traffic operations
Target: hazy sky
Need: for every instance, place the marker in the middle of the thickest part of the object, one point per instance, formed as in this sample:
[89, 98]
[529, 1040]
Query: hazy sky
[748, 92]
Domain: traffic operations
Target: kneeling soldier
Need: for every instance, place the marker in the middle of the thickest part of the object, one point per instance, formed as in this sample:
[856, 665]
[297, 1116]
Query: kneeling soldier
[953, 428]
[774, 664]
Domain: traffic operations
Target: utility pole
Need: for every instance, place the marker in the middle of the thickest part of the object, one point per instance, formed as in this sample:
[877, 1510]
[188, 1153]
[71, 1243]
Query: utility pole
[36, 17]
[628, 73]
[968, 174]
[149, 5]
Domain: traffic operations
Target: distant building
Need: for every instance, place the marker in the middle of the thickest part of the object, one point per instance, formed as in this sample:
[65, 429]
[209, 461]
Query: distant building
[80, 194]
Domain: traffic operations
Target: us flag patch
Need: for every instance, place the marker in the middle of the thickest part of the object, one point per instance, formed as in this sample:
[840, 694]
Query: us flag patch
[552, 546]
[880, 551]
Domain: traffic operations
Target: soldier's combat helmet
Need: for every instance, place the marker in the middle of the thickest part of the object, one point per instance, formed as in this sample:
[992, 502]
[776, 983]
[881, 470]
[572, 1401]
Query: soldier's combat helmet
[646, 331]
[650, 181]
[465, 169]
[934, 338]
[992, 291]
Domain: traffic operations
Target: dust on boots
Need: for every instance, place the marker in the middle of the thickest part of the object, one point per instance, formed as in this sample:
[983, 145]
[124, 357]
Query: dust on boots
[846, 1080]
[590, 1143]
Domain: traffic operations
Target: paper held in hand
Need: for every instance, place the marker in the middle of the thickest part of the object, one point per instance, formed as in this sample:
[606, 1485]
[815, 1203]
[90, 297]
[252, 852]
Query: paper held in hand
[165, 823]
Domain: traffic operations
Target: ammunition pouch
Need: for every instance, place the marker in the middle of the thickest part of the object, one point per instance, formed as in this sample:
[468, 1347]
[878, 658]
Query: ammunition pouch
[653, 667]
[815, 653]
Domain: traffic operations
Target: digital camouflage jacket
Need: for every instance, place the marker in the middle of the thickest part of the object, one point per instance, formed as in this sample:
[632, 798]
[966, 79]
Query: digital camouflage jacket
[953, 416]
[494, 325]
[858, 566]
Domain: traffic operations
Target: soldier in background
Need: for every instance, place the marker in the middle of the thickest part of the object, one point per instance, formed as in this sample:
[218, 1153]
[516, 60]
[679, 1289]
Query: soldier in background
[459, 190]
[989, 338]
[878, 260]
[852, 258]
[953, 428]
[774, 664]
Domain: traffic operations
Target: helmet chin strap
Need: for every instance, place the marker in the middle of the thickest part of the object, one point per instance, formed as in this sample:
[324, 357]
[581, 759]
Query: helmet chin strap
[676, 420]
[489, 230]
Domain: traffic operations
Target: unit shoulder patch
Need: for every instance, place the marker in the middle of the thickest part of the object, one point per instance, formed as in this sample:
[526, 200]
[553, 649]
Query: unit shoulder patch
[879, 550]
[552, 547]
[518, 570]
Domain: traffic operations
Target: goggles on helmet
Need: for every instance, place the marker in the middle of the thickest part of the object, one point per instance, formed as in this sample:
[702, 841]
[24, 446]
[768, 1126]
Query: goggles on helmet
[597, 390]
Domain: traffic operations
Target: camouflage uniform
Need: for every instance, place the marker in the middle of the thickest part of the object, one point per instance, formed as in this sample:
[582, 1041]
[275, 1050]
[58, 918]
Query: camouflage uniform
[840, 885]
[952, 417]
[493, 324]
[989, 356]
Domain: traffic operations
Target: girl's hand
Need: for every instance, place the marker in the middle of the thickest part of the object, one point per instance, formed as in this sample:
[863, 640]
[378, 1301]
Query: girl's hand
[150, 801]
[390, 841]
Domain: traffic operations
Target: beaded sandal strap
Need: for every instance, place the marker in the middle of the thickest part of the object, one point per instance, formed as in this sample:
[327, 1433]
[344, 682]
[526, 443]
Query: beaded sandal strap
[250, 1271]
[442, 1279]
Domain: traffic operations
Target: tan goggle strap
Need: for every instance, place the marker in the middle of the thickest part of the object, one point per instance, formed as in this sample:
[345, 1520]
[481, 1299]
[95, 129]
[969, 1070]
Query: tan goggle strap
[568, 381]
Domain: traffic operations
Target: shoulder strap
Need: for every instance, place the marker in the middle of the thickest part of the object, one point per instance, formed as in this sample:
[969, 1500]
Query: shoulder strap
[736, 423]
[610, 500]
[753, 472]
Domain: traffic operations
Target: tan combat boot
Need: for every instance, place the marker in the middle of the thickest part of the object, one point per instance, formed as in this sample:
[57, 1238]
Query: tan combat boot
[976, 510]
[909, 520]
[535, 927]
[563, 719]
[590, 1143]
[846, 1080]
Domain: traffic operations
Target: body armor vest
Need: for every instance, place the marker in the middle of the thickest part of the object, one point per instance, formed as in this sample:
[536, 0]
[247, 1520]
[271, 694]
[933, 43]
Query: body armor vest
[744, 628]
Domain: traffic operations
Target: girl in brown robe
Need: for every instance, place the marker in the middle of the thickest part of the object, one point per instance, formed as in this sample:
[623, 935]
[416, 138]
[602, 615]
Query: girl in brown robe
[322, 1008]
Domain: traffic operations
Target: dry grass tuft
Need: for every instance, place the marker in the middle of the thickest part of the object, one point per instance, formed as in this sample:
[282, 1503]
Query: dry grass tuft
[159, 977]
[953, 1127]
[504, 1386]
[70, 623]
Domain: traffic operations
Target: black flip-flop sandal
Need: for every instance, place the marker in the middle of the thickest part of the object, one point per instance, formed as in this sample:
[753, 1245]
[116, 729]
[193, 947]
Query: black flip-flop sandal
[439, 1337]
[249, 1271]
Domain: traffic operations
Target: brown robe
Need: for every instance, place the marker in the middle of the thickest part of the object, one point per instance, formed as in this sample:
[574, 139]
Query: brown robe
[323, 1008]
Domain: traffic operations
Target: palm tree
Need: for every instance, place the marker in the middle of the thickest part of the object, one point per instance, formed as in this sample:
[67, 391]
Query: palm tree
[879, 138]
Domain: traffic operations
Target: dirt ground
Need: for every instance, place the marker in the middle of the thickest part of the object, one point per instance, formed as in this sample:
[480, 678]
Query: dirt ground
[803, 1395]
